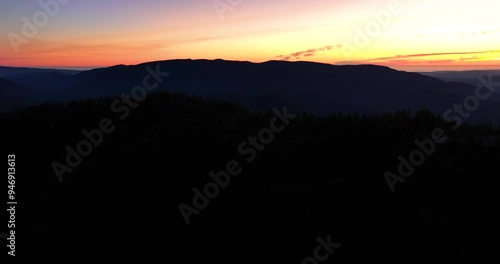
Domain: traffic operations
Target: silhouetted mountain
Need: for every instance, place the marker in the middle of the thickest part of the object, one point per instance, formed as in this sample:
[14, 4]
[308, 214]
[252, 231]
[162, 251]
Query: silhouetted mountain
[304, 86]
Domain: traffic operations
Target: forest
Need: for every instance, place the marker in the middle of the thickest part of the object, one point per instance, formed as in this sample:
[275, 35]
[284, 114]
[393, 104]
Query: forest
[320, 176]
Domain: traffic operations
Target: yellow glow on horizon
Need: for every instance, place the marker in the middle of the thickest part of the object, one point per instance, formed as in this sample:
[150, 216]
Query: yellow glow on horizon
[260, 30]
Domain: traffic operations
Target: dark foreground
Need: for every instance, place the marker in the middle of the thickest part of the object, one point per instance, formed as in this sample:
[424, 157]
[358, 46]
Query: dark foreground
[317, 179]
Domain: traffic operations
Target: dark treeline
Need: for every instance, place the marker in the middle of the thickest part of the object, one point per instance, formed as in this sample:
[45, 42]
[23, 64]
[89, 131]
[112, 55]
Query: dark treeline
[321, 176]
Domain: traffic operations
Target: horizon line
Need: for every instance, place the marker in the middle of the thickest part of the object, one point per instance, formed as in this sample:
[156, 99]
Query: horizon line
[444, 67]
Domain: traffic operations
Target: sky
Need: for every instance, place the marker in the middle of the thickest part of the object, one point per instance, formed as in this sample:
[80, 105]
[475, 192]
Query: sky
[414, 35]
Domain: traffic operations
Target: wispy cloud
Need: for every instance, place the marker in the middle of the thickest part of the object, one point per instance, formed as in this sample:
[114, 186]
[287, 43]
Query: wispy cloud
[303, 53]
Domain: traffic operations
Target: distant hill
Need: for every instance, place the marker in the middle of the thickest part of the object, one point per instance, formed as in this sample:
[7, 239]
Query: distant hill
[13, 95]
[50, 82]
[469, 77]
[461, 74]
[5, 71]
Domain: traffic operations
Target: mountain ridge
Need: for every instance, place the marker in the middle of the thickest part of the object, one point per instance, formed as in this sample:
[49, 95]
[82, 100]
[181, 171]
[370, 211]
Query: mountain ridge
[318, 88]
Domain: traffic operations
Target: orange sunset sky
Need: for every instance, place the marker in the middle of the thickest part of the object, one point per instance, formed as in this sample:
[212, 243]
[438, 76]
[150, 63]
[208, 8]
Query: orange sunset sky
[414, 35]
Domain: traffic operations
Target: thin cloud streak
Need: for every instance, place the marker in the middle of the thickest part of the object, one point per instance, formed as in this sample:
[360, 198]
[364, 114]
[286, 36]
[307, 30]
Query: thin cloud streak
[303, 53]
[429, 54]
